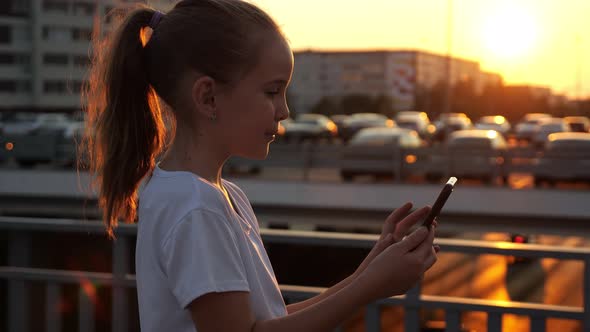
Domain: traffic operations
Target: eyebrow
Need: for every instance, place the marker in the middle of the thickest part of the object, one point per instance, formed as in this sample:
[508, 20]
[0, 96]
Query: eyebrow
[279, 81]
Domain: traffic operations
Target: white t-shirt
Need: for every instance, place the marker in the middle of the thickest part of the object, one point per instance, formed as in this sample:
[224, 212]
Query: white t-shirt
[190, 242]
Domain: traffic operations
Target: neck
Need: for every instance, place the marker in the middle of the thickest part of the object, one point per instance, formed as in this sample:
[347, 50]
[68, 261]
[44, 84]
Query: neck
[197, 154]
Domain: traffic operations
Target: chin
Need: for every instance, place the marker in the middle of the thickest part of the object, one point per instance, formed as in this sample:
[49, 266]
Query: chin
[260, 154]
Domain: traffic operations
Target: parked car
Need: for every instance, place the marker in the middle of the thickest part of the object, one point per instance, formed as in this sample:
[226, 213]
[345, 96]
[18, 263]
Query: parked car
[549, 126]
[449, 123]
[566, 157]
[417, 121]
[579, 124]
[477, 153]
[339, 119]
[371, 151]
[310, 127]
[494, 122]
[359, 121]
[526, 128]
[29, 123]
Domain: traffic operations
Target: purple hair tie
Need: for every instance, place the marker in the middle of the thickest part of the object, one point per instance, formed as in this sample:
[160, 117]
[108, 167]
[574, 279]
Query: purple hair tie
[156, 17]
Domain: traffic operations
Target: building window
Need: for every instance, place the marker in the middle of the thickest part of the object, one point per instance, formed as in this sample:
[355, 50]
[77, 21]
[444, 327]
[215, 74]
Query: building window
[81, 34]
[54, 87]
[81, 60]
[85, 9]
[56, 34]
[6, 59]
[21, 7]
[7, 86]
[5, 34]
[23, 86]
[55, 6]
[55, 59]
[15, 7]
[22, 33]
[76, 86]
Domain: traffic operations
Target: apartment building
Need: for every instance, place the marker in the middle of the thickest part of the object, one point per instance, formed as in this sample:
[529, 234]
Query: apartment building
[44, 51]
[394, 73]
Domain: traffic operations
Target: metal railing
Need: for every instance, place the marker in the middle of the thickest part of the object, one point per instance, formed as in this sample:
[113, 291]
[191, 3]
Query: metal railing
[18, 274]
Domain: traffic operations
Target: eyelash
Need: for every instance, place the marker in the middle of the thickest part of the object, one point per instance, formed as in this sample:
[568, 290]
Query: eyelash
[273, 93]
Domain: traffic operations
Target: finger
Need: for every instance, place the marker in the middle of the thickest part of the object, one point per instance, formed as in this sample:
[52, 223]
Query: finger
[424, 249]
[408, 222]
[414, 240]
[392, 220]
[429, 262]
[435, 222]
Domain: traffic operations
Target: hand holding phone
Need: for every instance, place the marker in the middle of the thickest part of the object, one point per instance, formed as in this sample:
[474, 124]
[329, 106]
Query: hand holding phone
[440, 202]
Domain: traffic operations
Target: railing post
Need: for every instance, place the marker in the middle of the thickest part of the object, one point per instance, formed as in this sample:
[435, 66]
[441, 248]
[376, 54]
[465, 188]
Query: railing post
[120, 269]
[412, 309]
[586, 322]
[452, 320]
[495, 322]
[52, 312]
[19, 254]
[86, 320]
[372, 318]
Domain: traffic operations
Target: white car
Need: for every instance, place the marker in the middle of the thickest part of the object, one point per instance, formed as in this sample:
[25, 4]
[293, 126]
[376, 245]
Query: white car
[310, 126]
[371, 151]
[494, 122]
[29, 123]
[478, 154]
[417, 121]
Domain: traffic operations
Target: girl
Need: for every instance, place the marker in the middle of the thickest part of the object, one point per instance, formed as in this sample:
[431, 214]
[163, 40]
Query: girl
[222, 67]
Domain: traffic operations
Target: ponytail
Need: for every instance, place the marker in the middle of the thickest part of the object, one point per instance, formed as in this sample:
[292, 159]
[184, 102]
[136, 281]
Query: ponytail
[125, 131]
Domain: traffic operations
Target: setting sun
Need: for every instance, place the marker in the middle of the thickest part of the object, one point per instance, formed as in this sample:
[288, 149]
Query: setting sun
[510, 33]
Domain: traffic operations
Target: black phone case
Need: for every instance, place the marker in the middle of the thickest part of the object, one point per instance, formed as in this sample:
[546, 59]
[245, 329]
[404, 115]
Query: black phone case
[438, 205]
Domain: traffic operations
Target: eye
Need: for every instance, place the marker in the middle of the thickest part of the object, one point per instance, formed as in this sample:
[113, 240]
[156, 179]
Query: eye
[273, 92]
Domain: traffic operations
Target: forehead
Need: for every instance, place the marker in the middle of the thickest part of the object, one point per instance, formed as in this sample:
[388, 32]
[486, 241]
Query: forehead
[275, 61]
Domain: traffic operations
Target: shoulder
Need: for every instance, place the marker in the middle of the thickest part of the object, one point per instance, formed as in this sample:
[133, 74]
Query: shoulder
[168, 199]
[181, 191]
[236, 189]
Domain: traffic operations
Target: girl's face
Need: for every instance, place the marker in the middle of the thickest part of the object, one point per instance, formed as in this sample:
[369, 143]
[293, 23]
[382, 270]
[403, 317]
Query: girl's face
[250, 113]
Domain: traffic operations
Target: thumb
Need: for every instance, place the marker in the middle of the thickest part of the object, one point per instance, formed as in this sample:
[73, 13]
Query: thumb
[413, 240]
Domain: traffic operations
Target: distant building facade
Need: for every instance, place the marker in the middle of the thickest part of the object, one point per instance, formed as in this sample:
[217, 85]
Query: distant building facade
[44, 51]
[396, 74]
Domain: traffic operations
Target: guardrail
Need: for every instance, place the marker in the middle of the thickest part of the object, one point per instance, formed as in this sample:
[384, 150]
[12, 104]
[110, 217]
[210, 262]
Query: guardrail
[18, 274]
[433, 162]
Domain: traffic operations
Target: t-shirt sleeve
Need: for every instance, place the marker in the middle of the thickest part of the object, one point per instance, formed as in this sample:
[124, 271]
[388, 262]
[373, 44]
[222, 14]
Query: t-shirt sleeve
[201, 256]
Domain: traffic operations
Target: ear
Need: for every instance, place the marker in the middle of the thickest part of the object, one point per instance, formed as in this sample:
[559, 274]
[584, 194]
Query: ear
[203, 96]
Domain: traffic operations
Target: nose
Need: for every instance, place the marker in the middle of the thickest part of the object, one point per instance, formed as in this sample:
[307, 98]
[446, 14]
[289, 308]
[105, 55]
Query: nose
[283, 112]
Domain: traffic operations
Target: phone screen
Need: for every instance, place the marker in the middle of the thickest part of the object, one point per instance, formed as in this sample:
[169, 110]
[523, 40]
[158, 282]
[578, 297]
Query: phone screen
[440, 202]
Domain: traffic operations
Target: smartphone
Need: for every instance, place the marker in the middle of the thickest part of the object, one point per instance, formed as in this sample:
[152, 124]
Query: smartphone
[440, 202]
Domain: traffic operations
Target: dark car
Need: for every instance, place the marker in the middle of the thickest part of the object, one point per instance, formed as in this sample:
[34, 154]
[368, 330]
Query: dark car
[580, 124]
[566, 157]
[359, 121]
[526, 128]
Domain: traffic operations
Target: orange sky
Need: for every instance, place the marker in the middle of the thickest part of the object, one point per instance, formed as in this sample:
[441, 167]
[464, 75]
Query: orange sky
[542, 42]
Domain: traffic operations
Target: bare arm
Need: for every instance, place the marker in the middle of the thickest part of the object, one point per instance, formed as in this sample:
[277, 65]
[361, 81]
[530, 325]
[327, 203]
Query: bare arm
[396, 225]
[231, 311]
[292, 308]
